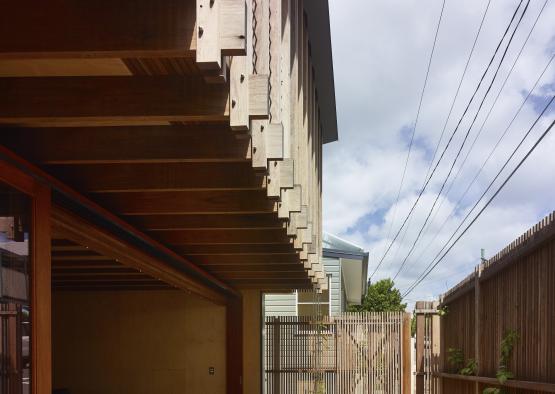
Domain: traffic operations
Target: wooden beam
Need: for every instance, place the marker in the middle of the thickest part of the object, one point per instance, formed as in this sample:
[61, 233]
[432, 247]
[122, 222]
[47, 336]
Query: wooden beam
[82, 232]
[127, 177]
[195, 202]
[222, 222]
[253, 268]
[260, 275]
[520, 384]
[247, 259]
[274, 286]
[125, 144]
[214, 236]
[234, 345]
[109, 100]
[128, 28]
[246, 249]
[75, 287]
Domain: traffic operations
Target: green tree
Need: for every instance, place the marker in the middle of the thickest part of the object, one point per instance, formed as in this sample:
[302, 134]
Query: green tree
[382, 296]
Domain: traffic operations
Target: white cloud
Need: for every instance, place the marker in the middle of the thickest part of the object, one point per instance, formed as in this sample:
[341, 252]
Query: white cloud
[381, 50]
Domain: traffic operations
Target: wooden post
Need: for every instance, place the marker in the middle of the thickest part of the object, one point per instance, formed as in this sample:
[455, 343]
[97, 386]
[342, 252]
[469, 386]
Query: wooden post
[436, 349]
[406, 354]
[477, 323]
[420, 337]
[276, 366]
[234, 346]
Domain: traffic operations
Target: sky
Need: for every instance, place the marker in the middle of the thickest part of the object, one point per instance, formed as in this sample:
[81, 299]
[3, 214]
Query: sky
[381, 50]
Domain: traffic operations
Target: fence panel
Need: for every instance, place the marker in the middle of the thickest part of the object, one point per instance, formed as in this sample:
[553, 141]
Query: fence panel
[513, 291]
[351, 353]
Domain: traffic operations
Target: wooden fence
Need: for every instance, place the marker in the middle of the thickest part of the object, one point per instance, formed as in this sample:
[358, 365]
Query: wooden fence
[513, 291]
[351, 353]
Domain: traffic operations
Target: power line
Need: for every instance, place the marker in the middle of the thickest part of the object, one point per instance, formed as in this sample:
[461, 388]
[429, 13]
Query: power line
[449, 141]
[446, 122]
[417, 117]
[432, 265]
[479, 133]
[462, 145]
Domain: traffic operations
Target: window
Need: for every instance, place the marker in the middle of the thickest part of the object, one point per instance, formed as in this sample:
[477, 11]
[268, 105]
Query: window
[310, 303]
[15, 263]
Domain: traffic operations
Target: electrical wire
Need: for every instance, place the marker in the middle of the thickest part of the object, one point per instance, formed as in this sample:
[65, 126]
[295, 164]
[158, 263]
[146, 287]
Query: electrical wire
[435, 263]
[416, 119]
[450, 139]
[480, 131]
[462, 145]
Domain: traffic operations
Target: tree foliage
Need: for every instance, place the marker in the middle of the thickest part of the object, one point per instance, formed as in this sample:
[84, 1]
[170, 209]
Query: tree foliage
[382, 296]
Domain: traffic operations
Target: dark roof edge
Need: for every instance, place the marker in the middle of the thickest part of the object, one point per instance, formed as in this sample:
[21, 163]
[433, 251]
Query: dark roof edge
[319, 30]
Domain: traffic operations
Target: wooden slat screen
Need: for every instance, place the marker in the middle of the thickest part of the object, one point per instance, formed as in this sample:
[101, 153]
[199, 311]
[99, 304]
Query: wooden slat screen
[350, 353]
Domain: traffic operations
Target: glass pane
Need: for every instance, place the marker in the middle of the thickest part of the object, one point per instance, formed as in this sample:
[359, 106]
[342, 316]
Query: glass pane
[311, 296]
[15, 325]
[314, 309]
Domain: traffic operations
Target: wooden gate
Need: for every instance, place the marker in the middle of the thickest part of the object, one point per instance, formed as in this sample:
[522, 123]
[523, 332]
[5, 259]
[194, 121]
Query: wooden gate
[351, 353]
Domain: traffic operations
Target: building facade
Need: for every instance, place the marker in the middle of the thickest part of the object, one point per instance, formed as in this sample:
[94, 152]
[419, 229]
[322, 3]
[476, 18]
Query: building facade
[346, 267]
[160, 170]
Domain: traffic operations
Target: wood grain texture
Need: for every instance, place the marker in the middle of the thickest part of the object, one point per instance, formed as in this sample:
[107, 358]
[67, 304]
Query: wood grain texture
[106, 99]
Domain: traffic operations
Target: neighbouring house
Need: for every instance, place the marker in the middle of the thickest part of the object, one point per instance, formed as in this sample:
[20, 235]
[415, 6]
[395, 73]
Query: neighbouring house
[346, 267]
[160, 170]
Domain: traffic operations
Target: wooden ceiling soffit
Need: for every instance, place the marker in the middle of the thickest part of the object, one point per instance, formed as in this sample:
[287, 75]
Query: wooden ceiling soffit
[89, 101]
[143, 177]
[80, 231]
[213, 237]
[127, 144]
[198, 221]
[125, 28]
[194, 202]
[244, 249]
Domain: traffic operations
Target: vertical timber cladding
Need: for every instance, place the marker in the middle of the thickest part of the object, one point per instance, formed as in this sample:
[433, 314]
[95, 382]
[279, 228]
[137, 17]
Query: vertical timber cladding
[350, 353]
[512, 291]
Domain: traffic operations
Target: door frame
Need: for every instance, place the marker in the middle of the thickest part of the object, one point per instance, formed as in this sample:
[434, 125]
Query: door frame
[41, 293]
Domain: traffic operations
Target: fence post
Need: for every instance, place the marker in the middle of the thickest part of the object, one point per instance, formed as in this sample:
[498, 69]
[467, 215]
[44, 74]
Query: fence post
[428, 348]
[436, 362]
[277, 354]
[477, 323]
[406, 354]
[420, 335]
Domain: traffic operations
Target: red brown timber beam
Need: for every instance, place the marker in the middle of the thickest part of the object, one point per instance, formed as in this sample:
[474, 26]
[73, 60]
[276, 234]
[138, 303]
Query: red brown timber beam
[106, 100]
[251, 261]
[127, 144]
[244, 249]
[128, 177]
[213, 237]
[217, 291]
[197, 202]
[216, 268]
[222, 222]
[104, 28]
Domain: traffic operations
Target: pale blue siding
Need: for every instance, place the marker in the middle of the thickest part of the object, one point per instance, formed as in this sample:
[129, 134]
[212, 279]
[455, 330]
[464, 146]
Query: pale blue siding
[284, 304]
[332, 266]
[280, 304]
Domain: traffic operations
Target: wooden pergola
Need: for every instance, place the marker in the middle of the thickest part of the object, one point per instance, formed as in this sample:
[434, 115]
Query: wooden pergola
[197, 124]
[168, 144]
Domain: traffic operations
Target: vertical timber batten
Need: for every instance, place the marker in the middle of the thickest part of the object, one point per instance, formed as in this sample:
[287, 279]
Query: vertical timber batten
[41, 309]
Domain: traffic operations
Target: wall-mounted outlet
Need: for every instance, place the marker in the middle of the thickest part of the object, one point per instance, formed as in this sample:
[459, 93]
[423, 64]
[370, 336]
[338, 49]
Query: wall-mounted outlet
[211, 371]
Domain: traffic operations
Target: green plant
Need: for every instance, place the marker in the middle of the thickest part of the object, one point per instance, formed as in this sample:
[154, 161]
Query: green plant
[507, 346]
[503, 374]
[470, 369]
[455, 358]
[443, 311]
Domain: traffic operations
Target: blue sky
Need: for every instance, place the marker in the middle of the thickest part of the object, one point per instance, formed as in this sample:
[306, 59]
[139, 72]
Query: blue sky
[381, 50]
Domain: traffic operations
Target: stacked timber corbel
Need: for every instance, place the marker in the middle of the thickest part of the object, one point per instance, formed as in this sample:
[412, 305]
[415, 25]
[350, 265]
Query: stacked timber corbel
[155, 109]
[287, 144]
